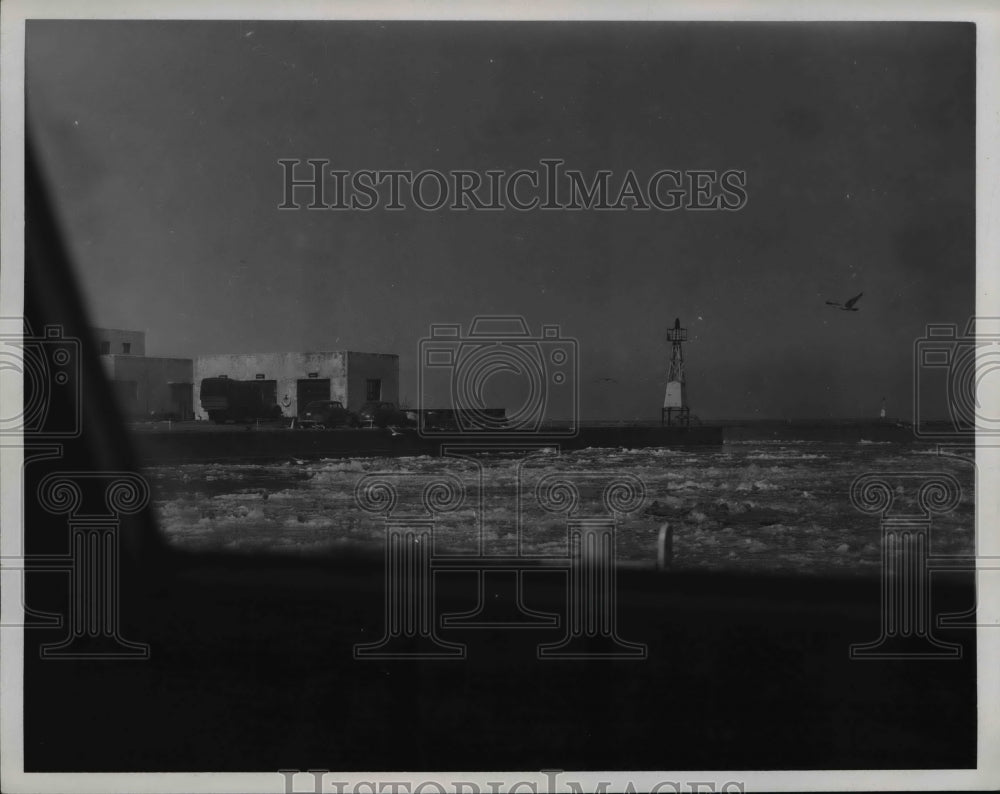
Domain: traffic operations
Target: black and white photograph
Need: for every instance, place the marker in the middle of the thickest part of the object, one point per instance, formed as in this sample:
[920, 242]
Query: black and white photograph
[437, 398]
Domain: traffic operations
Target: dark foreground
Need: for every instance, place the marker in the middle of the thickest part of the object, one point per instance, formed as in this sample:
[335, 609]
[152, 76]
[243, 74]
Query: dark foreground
[252, 670]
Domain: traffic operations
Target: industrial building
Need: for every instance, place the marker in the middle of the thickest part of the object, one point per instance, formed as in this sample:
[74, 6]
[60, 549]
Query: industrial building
[115, 342]
[156, 387]
[146, 387]
[292, 380]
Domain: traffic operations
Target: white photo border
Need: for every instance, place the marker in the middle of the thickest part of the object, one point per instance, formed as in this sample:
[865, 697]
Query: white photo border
[985, 15]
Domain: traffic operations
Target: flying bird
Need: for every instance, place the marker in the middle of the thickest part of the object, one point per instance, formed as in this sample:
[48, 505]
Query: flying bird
[849, 306]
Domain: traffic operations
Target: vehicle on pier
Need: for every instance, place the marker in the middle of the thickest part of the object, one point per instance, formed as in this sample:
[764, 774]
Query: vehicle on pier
[321, 414]
[242, 401]
[383, 414]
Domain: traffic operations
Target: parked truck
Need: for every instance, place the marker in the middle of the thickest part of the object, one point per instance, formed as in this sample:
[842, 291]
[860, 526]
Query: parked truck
[230, 400]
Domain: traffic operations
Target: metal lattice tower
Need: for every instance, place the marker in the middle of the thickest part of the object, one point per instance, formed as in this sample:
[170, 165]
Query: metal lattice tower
[675, 405]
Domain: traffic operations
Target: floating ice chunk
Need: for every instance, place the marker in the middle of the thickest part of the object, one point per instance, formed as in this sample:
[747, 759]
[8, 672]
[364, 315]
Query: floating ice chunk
[756, 485]
[348, 465]
[665, 505]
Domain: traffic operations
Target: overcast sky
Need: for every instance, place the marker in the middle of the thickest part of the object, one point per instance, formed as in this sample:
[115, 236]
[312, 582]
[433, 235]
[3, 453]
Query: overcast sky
[162, 139]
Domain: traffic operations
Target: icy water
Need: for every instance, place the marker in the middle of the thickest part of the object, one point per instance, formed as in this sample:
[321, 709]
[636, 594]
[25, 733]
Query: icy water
[776, 506]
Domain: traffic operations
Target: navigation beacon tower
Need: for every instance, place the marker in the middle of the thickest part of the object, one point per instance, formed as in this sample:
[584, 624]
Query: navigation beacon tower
[675, 403]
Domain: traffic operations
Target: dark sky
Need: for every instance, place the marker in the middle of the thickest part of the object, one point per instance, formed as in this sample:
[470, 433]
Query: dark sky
[162, 139]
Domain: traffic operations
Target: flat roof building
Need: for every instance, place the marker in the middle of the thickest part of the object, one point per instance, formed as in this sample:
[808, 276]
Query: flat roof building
[156, 387]
[114, 341]
[146, 387]
[293, 380]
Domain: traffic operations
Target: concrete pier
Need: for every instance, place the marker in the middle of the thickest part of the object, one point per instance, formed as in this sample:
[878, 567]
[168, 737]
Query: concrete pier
[202, 444]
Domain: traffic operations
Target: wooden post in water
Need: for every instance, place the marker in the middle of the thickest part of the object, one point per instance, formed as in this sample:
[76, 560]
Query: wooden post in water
[665, 547]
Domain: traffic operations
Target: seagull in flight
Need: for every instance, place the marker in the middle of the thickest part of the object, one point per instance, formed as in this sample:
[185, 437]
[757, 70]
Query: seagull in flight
[849, 306]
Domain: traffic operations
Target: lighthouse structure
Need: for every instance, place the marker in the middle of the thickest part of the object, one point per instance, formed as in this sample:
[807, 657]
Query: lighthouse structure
[675, 403]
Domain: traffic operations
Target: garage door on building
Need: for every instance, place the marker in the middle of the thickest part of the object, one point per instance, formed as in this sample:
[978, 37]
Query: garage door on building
[181, 402]
[312, 389]
[268, 392]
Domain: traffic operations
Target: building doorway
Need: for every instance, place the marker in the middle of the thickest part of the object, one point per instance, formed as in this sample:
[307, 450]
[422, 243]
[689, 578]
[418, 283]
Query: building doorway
[310, 390]
[181, 401]
[268, 392]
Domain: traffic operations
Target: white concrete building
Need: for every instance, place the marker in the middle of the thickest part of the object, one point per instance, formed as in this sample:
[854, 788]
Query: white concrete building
[145, 387]
[291, 380]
